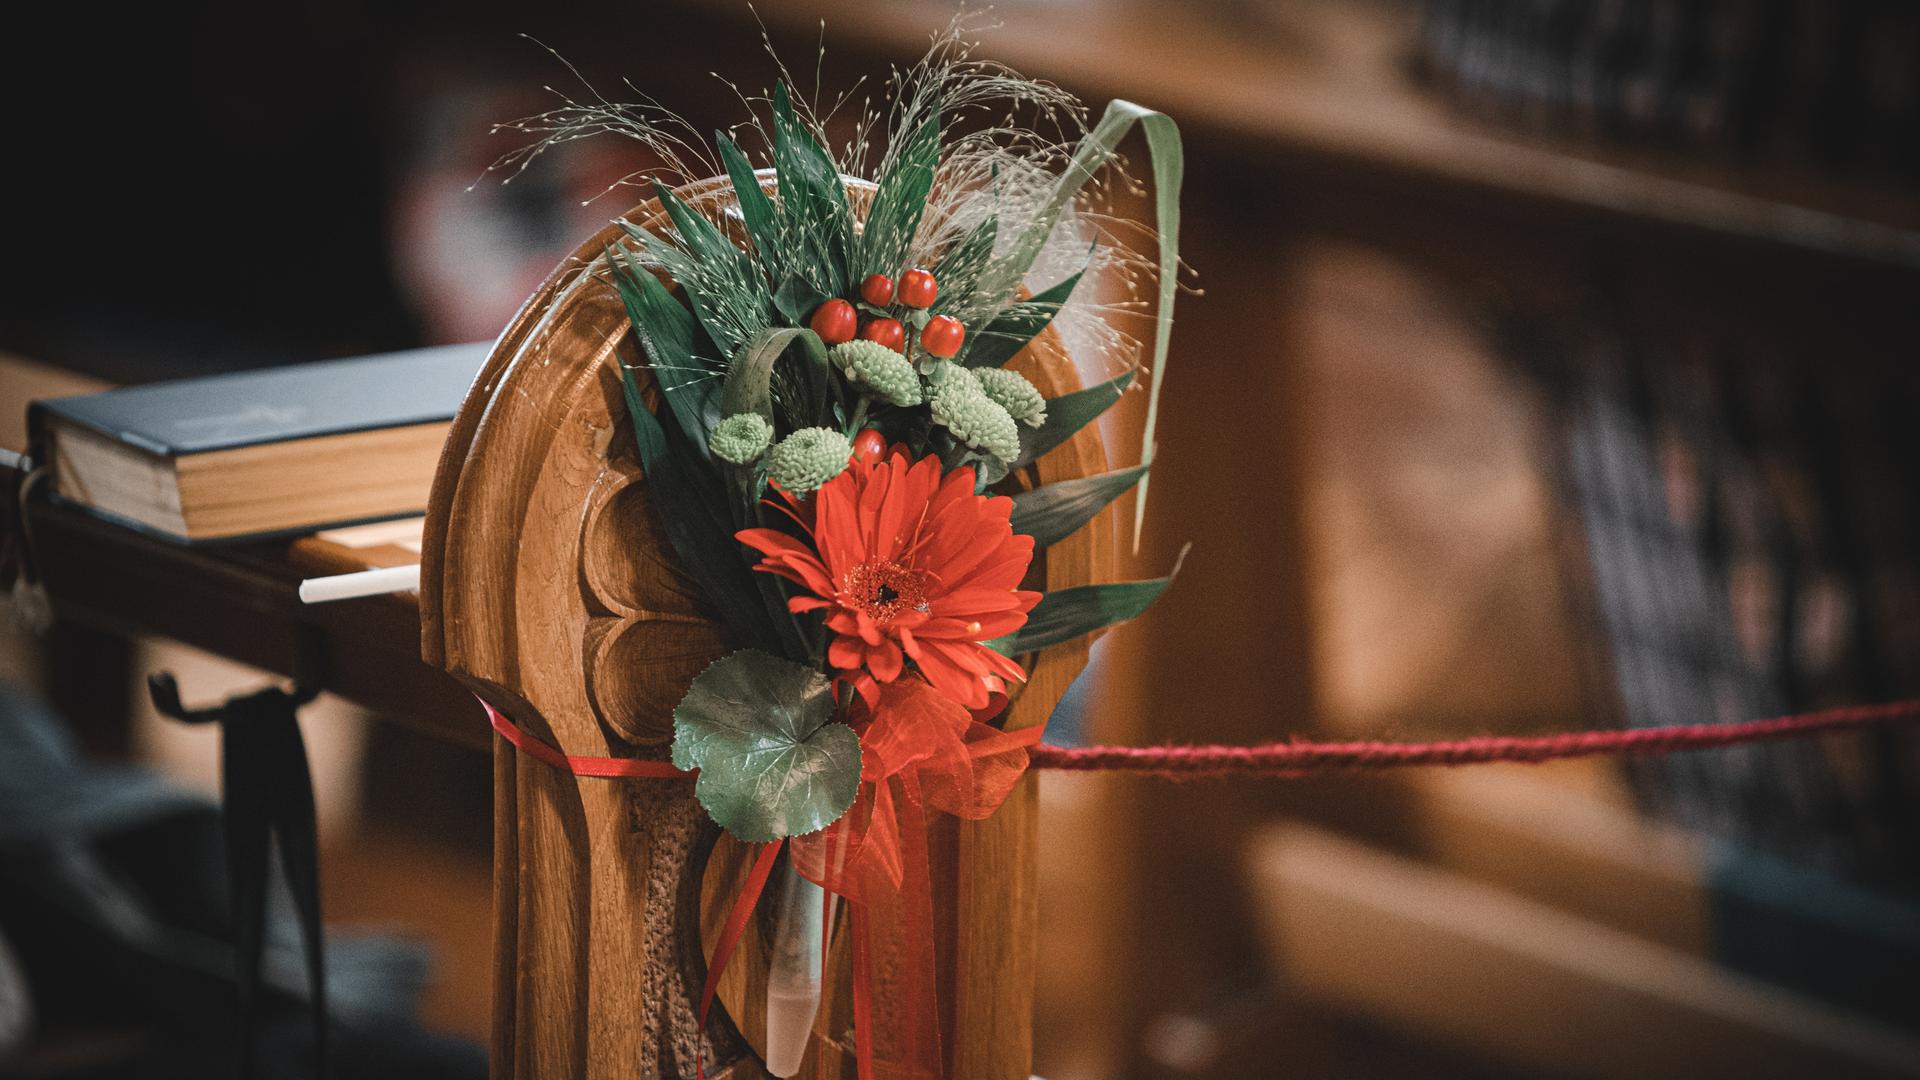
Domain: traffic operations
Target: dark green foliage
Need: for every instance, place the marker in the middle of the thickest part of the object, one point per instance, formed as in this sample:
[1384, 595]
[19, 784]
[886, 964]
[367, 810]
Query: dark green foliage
[1052, 512]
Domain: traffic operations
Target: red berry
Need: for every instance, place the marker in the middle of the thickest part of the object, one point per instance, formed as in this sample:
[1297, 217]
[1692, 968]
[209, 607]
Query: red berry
[942, 336]
[886, 332]
[917, 289]
[869, 444]
[834, 321]
[877, 290]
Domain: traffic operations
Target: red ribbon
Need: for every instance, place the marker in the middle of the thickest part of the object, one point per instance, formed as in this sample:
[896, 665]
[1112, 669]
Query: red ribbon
[581, 766]
[919, 750]
[736, 925]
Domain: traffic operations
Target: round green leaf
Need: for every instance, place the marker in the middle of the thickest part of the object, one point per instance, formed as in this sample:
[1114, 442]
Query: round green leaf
[772, 760]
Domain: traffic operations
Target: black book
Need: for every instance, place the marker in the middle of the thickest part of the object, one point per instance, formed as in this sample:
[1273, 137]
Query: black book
[259, 453]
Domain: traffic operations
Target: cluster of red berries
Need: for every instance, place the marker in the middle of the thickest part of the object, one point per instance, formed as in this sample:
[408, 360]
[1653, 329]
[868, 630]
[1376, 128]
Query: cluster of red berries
[837, 321]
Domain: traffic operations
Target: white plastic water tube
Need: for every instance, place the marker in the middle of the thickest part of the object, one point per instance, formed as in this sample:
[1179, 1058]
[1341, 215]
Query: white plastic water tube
[793, 976]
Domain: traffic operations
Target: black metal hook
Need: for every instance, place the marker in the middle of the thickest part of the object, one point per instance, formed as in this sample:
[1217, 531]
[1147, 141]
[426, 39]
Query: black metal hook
[309, 678]
[267, 794]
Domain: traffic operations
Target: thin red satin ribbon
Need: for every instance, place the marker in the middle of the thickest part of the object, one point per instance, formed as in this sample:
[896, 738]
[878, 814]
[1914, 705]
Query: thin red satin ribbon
[743, 906]
[581, 766]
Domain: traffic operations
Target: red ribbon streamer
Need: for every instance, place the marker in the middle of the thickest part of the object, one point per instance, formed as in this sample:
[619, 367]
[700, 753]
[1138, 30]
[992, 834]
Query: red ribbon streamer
[736, 925]
[920, 751]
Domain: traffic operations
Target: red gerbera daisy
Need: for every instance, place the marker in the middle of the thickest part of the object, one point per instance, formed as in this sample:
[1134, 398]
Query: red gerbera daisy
[909, 566]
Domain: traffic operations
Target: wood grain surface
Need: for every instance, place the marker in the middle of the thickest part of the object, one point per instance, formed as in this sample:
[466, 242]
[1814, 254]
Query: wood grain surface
[547, 587]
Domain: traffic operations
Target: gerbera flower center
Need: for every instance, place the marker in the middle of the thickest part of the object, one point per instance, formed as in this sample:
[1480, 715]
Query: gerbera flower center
[884, 589]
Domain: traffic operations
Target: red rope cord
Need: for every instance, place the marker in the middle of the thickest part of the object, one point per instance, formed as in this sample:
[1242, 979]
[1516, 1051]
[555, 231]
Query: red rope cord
[1297, 757]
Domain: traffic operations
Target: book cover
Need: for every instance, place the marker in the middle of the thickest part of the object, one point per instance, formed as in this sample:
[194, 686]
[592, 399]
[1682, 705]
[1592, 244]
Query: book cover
[279, 404]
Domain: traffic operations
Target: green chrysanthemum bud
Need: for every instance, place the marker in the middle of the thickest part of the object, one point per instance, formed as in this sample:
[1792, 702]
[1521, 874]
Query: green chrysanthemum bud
[1011, 391]
[886, 373]
[804, 460]
[740, 438]
[975, 419]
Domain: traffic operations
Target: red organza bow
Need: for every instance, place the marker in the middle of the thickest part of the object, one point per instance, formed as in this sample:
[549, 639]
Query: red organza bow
[920, 751]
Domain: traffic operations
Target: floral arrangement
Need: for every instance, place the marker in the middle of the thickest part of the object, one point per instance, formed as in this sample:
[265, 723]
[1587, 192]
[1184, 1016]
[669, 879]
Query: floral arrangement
[835, 427]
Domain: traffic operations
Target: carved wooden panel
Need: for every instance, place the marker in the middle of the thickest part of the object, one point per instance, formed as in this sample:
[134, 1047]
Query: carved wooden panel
[548, 587]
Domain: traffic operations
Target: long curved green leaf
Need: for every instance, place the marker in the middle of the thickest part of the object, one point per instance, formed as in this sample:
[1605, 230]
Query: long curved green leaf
[1065, 614]
[1066, 415]
[1052, 512]
[749, 386]
[1095, 150]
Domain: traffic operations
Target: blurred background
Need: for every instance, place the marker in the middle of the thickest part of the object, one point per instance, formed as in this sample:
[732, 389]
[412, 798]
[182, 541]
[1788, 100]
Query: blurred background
[1552, 368]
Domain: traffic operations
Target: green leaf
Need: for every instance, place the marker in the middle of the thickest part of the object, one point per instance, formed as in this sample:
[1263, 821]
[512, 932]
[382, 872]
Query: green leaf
[698, 531]
[726, 291]
[899, 201]
[1003, 278]
[772, 761]
[1065, 614]
[959, 269]
[749, 385]
[666, 330]
[813, 197]
[749, 388]
[1066, 415]
[796, 298]
[1052, 512]
[756, 209]
[1016, 325]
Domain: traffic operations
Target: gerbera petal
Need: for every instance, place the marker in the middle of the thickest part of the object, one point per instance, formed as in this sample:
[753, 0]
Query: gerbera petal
[802, 570]
[950, 679]
[846, 653]
[979, 544]
[977, 659]
[771, 542]
[835, 525]
[1001, 568]
[1002, 665]
[885, 662]
[785, 570]
[982, 627]
[972, 602]
[868, 690]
